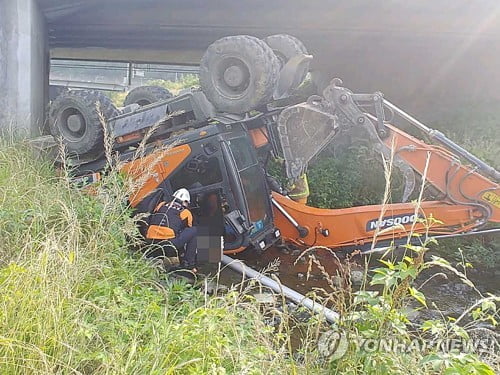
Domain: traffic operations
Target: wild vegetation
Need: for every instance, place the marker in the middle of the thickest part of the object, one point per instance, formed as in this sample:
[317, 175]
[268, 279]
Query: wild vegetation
[75, 299]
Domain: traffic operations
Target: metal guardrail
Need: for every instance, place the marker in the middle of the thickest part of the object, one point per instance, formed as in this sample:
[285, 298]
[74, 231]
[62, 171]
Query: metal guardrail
[88, 85]
[112, 76]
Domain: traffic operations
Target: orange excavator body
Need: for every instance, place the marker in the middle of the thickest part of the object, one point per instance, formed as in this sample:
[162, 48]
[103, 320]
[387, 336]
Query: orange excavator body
[470, 197]
[363, 225]
[357, 226]
[446, 173]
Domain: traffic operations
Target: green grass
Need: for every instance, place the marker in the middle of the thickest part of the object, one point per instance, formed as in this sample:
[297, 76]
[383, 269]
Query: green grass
[350, 178]
[74, 299]
[474, 126]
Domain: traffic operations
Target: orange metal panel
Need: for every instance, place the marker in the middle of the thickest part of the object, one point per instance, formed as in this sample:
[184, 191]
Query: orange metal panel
[259, 137]
[443, 166]
[158, 166]
[358, 225]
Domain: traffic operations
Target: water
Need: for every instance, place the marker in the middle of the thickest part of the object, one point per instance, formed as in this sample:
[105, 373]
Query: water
[446, 294]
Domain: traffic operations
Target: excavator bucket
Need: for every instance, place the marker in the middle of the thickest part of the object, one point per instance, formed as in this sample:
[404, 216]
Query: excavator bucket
[304, 130]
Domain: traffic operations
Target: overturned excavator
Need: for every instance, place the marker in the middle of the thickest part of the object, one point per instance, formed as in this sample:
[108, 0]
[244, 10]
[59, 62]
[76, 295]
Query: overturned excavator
[213, 141]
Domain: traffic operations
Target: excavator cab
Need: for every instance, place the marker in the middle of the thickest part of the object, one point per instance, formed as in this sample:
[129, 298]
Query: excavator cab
[231, 195]
[219, 167]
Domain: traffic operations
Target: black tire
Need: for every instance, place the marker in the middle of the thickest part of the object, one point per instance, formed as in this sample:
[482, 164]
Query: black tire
[145, 95]
[238, 73]
[55, 91]
[285, 47]
[75, 117]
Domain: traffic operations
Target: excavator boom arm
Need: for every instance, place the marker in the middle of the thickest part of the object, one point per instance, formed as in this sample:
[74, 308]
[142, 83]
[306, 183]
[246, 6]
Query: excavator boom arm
[469, 200]
[460, 184]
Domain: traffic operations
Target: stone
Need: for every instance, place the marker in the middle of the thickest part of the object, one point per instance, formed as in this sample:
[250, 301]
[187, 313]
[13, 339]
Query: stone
[285, 251]
[265, 298]
[273, 321]
[357, 277]
[212, 287]
[337, 281]
[303, 260]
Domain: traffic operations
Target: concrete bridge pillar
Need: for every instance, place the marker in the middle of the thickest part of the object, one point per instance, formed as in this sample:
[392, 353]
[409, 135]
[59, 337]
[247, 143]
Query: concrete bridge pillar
[24, 66]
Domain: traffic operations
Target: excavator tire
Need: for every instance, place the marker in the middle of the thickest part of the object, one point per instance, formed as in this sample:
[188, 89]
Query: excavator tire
[55, 91]
[285, 47]
[145, 95]
[239, 73]
[75, 116]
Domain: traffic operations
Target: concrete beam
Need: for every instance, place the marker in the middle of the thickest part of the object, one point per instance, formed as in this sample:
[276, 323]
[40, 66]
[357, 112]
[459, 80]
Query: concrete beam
[176, 57]
[24, 65]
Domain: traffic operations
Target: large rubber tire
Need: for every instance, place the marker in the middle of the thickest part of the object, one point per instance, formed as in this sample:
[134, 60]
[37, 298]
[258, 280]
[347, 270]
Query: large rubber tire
[145, 95]
[55, 91]
[285, 47]
[239, 73]
[75, 117]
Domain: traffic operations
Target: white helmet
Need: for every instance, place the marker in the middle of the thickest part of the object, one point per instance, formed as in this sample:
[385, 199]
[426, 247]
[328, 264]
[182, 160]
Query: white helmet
[182, 195]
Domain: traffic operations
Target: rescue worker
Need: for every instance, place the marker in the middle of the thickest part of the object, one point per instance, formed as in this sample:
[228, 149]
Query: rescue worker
[299, 191]
[171, 223]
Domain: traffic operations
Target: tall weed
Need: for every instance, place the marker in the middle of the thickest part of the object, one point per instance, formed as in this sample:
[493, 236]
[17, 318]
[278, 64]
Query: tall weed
[75, 300]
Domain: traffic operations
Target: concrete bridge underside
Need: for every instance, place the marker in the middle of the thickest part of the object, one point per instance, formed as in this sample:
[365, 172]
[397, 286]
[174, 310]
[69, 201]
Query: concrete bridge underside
[422, 54]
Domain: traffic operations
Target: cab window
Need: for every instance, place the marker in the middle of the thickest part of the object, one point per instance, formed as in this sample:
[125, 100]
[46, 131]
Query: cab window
[197, 173]
[242, 153]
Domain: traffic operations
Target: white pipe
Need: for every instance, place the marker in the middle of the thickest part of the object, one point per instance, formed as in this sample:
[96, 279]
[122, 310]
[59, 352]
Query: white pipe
[285, 214]
[238, 266]
[408, 117]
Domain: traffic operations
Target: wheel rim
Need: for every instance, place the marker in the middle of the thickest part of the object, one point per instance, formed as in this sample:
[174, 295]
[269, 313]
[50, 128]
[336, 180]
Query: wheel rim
[231, 77]
[72, 124]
